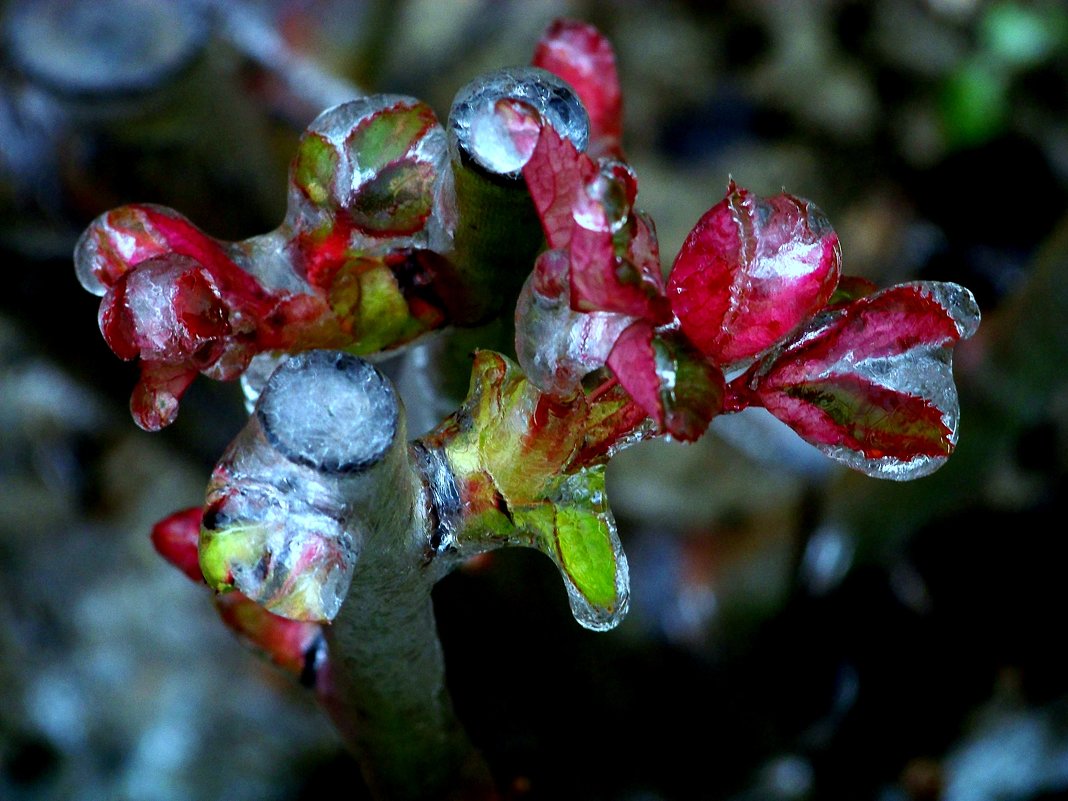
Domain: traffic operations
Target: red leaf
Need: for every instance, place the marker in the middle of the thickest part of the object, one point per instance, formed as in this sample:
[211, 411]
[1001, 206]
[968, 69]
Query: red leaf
[235, 285]
[555, 173]
[600, 281]
[887, 324]
[751, 272]
[582, 56]
[855, 413]
[176, 538]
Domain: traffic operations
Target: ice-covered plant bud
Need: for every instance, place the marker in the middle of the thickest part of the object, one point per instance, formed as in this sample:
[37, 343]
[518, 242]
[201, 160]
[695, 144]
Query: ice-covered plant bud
[871, 384]
[351, 266]
[291, 502]
[751, 272]
[366, 170]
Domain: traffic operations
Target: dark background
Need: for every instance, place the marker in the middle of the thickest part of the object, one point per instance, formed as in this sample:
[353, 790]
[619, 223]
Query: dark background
[796, 632]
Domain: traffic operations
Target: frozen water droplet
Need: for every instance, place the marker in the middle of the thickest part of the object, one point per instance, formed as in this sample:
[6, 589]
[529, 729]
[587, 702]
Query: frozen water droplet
[255, 377]
[604, 205]
[477, 133]
[86, 256]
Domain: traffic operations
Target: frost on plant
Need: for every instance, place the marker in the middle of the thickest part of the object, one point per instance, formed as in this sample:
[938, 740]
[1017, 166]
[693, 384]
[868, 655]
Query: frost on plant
[324, 524]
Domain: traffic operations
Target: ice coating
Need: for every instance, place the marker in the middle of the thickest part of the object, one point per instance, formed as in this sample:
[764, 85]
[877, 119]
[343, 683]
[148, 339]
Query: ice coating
[255, 377]
[476, 132]
[348, 267]
[589, 554]
[329, 411]
[596, 617]
[275, 531]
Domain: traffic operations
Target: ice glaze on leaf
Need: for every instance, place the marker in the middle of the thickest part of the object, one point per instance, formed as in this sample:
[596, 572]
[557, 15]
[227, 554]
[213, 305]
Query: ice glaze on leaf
[751, 272]
[589, 553]
[390, 134]
[872, 385]
[581, 55]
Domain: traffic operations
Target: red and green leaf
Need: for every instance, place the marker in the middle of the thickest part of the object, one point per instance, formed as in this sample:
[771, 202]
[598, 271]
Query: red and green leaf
[315, 167]
[396, 201]
[675, 385]
[872, 384]
[389, 135]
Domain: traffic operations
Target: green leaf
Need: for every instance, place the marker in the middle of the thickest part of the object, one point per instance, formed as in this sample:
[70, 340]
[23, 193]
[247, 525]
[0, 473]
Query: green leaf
[397, 200]
[587, 556]
[389, 135]
[383, 319]
[315, 167]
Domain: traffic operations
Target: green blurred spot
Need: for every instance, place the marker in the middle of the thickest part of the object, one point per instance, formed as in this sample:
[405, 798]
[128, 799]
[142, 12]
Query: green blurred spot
[1024, 35]
[974, 104]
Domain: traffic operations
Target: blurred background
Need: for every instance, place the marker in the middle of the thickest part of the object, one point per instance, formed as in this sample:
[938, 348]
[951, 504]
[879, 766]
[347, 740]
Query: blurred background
[796, 632]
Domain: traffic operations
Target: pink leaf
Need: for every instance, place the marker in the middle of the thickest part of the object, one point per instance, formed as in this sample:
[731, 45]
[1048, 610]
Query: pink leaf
[751, 272]
[582, 56]
[872, 384]
[634, 364]
[555, 173]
